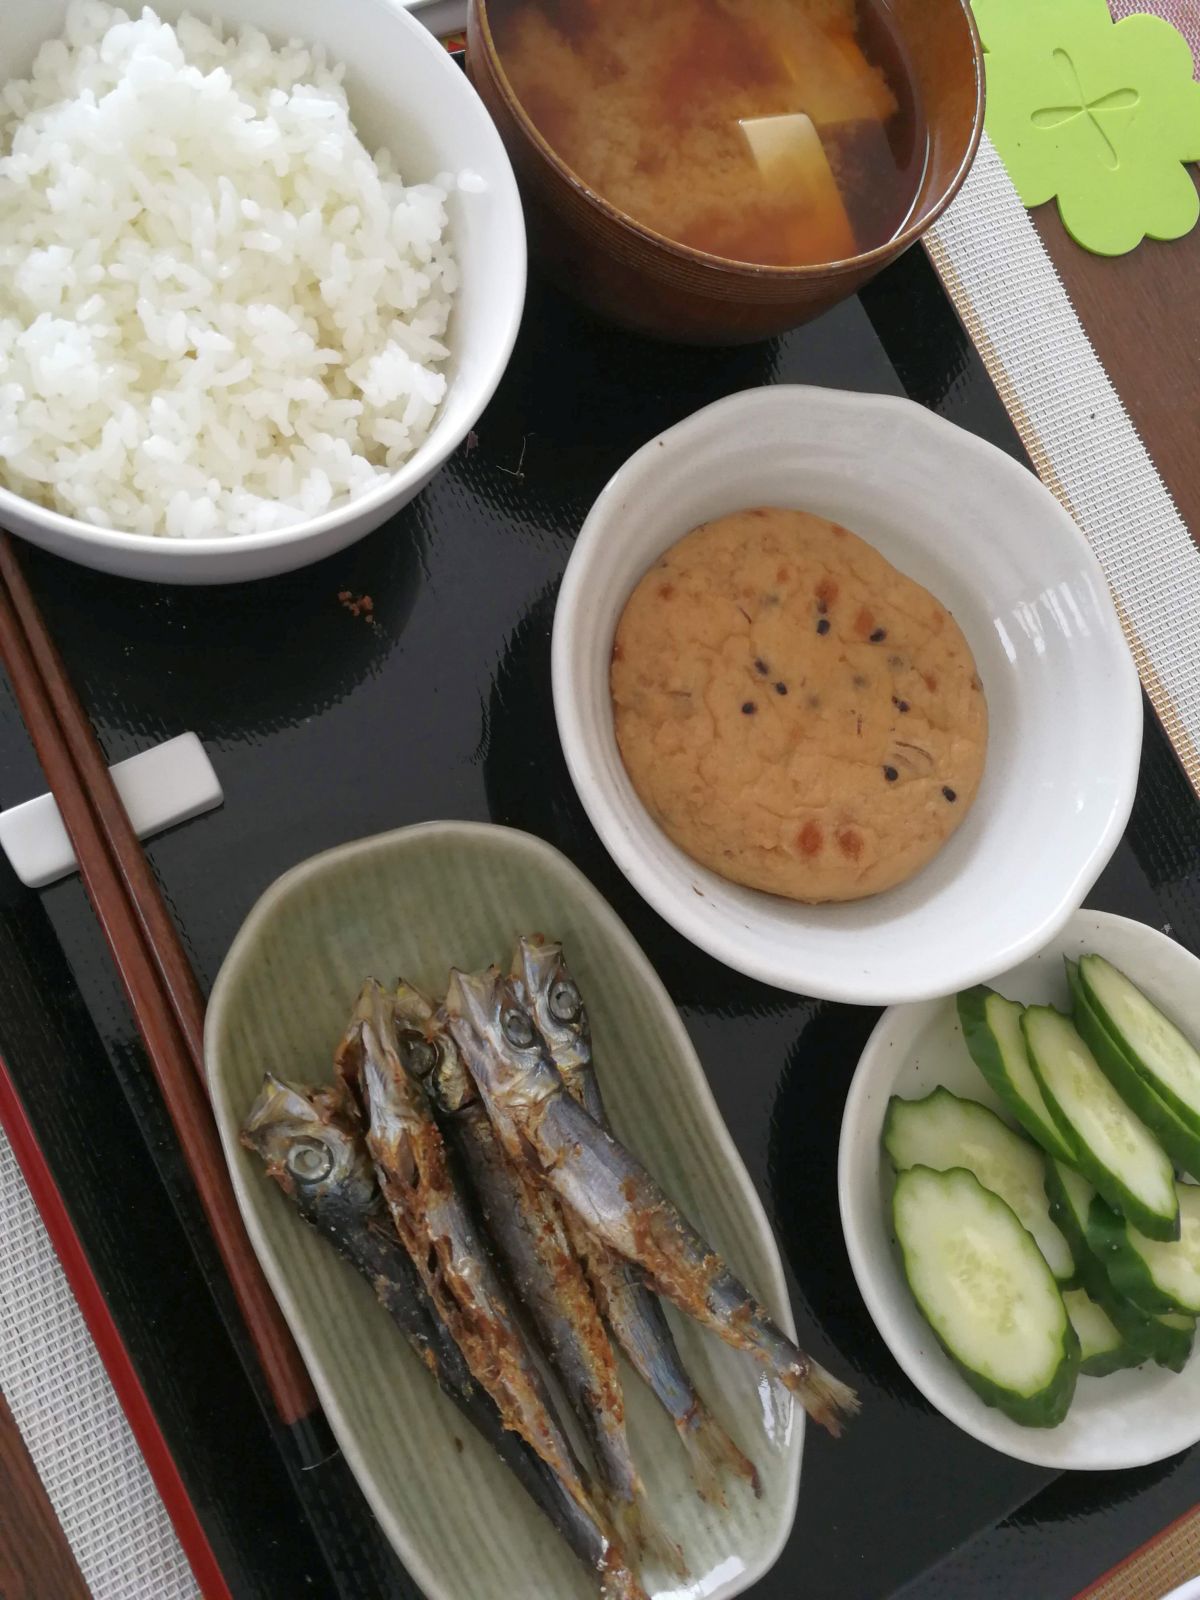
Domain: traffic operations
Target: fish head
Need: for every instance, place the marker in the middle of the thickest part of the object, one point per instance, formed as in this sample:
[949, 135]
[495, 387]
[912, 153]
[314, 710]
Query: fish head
[370, 1042]
[416, 1031]
[553, 1000]
[310, 1145]
[498, 1038]
[451, 1085]
[428, 1052]
[414, 1009]
[393, 1101]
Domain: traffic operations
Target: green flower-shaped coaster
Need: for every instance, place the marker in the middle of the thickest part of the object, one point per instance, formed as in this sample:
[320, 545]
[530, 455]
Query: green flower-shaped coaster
[1101, 114]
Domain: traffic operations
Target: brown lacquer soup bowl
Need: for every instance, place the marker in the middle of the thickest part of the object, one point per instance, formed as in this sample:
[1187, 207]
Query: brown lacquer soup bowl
[641, 280]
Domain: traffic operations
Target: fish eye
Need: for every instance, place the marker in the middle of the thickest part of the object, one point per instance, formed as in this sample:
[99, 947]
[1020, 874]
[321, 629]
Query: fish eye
[518, 1029]
[309, 1160]
[565, 1001]
[421, 1055]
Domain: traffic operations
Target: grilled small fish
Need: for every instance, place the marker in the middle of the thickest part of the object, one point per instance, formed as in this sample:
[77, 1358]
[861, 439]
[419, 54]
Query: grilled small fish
[314, 1151]
[526, 1225]
[537, 1119]
[436, 1229]
[633, 1313]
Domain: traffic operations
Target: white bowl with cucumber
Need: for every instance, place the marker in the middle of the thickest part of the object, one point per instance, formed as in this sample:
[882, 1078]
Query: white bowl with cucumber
[1019, 1177]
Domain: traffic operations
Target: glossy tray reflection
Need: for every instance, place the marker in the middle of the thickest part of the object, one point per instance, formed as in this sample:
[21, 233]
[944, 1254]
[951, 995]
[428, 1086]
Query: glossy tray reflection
[325, 726]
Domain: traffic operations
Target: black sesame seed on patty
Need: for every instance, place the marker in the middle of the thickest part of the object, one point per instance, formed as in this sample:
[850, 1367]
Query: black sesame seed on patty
[890, 774]
[900, 705]
[781, 688]
[760, 666]
[823, 625]
[879, 636]
[949, 793]
[748, 708]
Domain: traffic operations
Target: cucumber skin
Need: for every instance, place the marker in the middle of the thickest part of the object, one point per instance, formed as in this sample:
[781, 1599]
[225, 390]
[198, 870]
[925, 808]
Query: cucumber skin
[1184, 1114]
[1149, 1339]
[1175, 1344]
[1176, 1138]
[1125, 1269]
[1110, 1361]
[1049, 1406]
[1104, 1362]
[1113, 1190]
[985, 1053]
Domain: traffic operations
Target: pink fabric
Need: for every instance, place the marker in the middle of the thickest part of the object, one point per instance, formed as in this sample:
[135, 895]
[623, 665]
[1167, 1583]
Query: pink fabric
[1184, 14]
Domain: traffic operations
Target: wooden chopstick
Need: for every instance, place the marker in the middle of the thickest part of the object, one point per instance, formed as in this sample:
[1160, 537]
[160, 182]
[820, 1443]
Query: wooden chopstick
[171, 1059]
[159, 931]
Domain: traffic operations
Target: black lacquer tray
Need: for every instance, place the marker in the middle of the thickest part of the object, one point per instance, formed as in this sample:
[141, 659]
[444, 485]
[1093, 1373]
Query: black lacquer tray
[325, 726]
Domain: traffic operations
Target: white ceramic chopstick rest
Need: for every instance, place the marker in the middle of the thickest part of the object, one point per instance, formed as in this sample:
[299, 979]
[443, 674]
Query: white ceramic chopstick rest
[159, 787]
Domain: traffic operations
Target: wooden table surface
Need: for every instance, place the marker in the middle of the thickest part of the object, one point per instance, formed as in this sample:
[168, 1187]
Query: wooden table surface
[35, 1560]
[1142, 313]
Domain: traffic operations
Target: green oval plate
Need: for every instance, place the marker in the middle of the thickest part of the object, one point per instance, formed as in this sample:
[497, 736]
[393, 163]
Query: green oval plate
[414, 902]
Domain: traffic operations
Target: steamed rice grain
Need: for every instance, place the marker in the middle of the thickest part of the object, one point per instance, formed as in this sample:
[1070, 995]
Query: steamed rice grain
[218, 313]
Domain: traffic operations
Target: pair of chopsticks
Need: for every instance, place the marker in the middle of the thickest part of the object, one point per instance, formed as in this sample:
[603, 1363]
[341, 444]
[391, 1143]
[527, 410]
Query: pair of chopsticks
[157, 977]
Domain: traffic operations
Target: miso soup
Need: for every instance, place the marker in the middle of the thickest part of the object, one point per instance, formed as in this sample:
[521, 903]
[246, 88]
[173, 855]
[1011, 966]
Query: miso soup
[778, 132]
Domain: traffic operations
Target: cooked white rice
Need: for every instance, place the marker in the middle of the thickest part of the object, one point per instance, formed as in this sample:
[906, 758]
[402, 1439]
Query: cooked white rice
[218, 314]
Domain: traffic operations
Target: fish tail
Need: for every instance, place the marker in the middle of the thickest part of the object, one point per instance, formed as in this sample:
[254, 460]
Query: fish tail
[618, 1581]
[827, 1399]
[637, 1531]
[618, 1576]
[711, 1454]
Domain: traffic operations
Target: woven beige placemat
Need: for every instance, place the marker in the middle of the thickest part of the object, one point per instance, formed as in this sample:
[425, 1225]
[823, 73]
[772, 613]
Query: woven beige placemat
[71, 1420]
[1078, 435]
[1166, 1561]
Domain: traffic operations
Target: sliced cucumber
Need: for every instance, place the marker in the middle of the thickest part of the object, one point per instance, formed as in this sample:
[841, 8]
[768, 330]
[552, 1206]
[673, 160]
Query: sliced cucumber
[1154, 1276]
[1113, 1148]
[1167, 1060]
[1101, 1348]
[1166, 1339]
[1174, 1335]
[991, 1026]
[986, 1291]
[942, 1131]
[1070, 1197]
[1180, 1142]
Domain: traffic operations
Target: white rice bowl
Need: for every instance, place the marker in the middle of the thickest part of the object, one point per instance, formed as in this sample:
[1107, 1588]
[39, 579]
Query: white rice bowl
[219, 314]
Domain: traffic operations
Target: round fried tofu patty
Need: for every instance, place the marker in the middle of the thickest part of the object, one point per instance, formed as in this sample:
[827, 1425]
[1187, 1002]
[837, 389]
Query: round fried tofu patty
[795, 713]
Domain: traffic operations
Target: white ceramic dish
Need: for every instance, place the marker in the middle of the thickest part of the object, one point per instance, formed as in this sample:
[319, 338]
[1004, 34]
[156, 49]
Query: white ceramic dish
[1187, 1591]
[406, 93]
[1125, 1420]
[991, 543]
[414, 901]
[440, 16]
